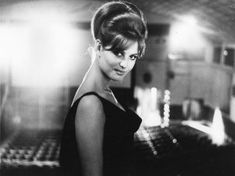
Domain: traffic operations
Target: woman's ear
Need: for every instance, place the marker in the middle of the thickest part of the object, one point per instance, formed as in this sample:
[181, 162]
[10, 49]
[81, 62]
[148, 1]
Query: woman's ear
[98, 45]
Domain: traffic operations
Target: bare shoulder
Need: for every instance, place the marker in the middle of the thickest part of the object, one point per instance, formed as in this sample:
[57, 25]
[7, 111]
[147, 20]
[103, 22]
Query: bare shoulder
[90, 107]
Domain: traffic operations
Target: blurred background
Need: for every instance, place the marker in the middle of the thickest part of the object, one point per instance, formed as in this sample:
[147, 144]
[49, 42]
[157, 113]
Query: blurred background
[183, 88]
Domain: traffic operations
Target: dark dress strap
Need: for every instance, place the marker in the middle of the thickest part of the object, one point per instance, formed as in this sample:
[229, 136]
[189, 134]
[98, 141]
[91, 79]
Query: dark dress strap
[85, 94]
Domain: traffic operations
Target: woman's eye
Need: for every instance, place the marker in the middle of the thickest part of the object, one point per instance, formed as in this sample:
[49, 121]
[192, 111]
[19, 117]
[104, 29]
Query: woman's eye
[134, 57]
[118, 53]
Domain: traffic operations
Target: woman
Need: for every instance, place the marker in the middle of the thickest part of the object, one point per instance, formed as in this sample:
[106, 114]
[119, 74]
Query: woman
[98, 131]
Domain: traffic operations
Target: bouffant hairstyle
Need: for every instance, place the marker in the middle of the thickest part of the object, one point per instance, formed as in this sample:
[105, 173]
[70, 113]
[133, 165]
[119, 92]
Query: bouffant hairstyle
[116, 23]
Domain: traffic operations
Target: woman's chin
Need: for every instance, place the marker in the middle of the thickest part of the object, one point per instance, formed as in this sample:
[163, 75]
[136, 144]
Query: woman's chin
[118, 78]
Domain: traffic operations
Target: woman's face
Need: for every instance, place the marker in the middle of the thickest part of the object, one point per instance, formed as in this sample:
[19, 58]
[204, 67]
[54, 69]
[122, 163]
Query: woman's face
[116, 65]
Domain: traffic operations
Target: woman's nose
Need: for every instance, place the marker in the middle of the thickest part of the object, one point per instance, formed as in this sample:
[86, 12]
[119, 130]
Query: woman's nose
[123, 63]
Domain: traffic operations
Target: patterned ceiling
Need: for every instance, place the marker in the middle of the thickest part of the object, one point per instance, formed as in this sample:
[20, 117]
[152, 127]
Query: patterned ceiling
[217, 17]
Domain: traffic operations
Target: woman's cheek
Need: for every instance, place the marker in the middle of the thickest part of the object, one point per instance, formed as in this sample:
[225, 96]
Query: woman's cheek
[132, 64]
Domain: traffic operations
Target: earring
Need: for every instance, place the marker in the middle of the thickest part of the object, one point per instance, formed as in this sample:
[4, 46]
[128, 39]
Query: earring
[98, 41]
[98, 44]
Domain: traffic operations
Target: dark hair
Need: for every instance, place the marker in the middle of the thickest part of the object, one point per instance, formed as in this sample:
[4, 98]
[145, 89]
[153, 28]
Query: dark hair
[116, 23]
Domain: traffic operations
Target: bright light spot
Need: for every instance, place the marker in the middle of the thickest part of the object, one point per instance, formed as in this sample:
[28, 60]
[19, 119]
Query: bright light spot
[148, 106]
[166, 109]
[225, 52]
[189, 20]
[39, 44]
[185, 36]
[198, 125]
[16, 120]
[41, 54]
[217, 128]
[153, 94]
[144, 135]
[13, 43]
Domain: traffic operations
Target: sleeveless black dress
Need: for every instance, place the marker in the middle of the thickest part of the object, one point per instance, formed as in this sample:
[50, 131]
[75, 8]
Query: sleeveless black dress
[119, 129]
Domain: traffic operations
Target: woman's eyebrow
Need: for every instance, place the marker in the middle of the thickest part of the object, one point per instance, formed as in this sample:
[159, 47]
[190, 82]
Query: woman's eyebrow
[131, 54]
[134, 54]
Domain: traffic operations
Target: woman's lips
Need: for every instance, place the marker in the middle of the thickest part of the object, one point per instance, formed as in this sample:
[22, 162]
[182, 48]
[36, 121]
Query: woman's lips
[119, 72]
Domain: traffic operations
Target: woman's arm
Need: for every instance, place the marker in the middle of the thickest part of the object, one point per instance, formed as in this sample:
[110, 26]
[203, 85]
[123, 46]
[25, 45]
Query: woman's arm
[89, 125]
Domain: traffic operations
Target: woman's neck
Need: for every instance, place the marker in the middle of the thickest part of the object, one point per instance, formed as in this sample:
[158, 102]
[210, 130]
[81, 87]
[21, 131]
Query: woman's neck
[96, 79]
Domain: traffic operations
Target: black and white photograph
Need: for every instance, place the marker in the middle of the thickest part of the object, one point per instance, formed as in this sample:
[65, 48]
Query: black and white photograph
[117, 87]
